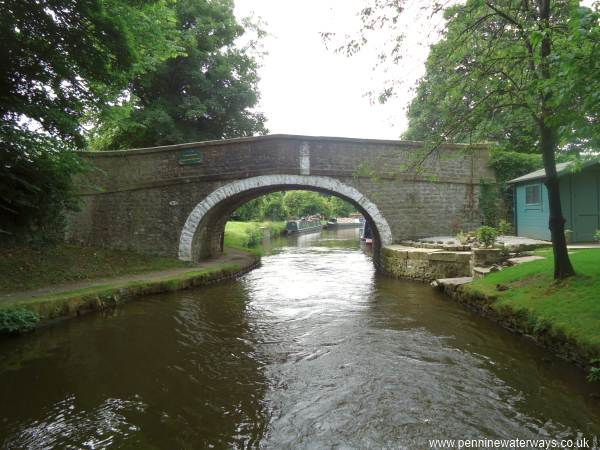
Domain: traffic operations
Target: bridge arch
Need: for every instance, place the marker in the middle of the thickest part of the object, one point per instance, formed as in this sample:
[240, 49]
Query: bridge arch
[213, 211]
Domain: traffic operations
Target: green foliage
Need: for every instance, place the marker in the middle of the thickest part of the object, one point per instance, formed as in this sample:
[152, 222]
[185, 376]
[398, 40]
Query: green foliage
[490, 203]
[594, 374]
[50, 44]
[250, 211]
[63, 60]
[365, 170]
[504, 228]
[243, 234]
[36, 186]
[304, 203]
[524, 74]
[339, 207]
[206, 92]
[597, 235]
[273, 208]
[254, 237]
[279, 206]
[17, 320]
[486, 236]
[484, 78]
[268, 207]
[508, 164]
[275, 228]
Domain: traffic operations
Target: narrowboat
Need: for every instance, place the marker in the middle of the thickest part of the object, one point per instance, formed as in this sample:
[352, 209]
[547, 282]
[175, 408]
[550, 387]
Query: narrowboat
[345, 222]
[303, 226]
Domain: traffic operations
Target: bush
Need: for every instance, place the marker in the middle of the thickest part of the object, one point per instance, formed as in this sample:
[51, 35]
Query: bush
[597, 235]
[490, 202]
[276, 228]
[504, 228]
[508, 164]
[486, 236]
[255, 236]
[37, 187]
[242, 234]
[17, 320]
[594, 375]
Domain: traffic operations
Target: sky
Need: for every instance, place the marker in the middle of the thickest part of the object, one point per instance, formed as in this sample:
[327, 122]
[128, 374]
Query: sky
[308, 89]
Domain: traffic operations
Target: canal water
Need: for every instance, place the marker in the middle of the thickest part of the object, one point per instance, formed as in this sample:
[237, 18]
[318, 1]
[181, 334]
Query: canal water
[313, 350]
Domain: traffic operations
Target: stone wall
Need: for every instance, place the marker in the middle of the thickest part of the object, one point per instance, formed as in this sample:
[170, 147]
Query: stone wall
[424, 264]
[141, 199]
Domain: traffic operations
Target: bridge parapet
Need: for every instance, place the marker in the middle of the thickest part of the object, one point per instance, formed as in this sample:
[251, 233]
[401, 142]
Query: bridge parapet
[276, 154]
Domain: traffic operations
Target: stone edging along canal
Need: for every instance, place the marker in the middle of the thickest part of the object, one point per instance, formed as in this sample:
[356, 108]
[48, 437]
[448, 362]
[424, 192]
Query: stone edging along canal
[63, 305]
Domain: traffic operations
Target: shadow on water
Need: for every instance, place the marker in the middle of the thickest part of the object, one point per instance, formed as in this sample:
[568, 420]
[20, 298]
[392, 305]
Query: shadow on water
[161, 373]
[311, 350]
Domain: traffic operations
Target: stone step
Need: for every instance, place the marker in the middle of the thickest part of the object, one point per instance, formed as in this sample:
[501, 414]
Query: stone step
[440, 282]
[480, 272]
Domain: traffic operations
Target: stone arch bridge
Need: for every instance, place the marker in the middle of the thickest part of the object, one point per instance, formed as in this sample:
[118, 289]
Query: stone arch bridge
[175, 200]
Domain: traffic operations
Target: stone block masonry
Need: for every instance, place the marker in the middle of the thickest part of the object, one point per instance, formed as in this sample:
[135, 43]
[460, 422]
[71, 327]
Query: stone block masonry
[424, 264]
[153, 200]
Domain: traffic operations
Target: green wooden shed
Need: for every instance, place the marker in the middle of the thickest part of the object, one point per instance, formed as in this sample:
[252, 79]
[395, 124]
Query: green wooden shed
[579, 195]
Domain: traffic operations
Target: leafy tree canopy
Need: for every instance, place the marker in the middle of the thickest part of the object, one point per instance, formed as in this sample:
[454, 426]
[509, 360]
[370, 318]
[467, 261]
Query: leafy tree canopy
[208, 92]
[120, 73]
[62, 59]
[482, 79]
[292, 204]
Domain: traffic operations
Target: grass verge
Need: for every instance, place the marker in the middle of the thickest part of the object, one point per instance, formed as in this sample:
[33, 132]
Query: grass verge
[568, 309]
[19, 315]
[248, 235]
[24, 268]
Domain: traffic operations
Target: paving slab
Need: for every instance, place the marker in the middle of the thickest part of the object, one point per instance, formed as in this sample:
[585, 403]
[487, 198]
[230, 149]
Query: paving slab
[453, 281]
[523, 259]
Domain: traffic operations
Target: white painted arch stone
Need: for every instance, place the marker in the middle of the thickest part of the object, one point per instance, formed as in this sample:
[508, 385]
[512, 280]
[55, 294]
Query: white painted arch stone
[248, 184]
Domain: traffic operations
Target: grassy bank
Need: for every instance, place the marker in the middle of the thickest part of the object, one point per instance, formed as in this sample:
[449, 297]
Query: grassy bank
[248, 235]
[567, 309]
[25, 311]
[25, 314]
[24, 268]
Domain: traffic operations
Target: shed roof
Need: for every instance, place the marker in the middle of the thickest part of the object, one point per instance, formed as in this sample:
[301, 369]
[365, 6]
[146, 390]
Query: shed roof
[561, 168]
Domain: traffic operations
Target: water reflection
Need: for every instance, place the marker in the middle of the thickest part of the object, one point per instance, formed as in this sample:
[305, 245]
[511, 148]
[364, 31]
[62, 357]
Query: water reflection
[311, 350]
[157, 374]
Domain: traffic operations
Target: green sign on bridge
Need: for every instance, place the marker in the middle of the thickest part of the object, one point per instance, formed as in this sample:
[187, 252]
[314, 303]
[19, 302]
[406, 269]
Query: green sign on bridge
[190, 157]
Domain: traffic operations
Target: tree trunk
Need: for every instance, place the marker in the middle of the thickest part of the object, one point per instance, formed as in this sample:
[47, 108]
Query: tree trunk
[548, 145]
[562, 263]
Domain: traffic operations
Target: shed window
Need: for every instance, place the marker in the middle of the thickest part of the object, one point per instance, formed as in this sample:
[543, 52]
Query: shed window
[533, 194]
